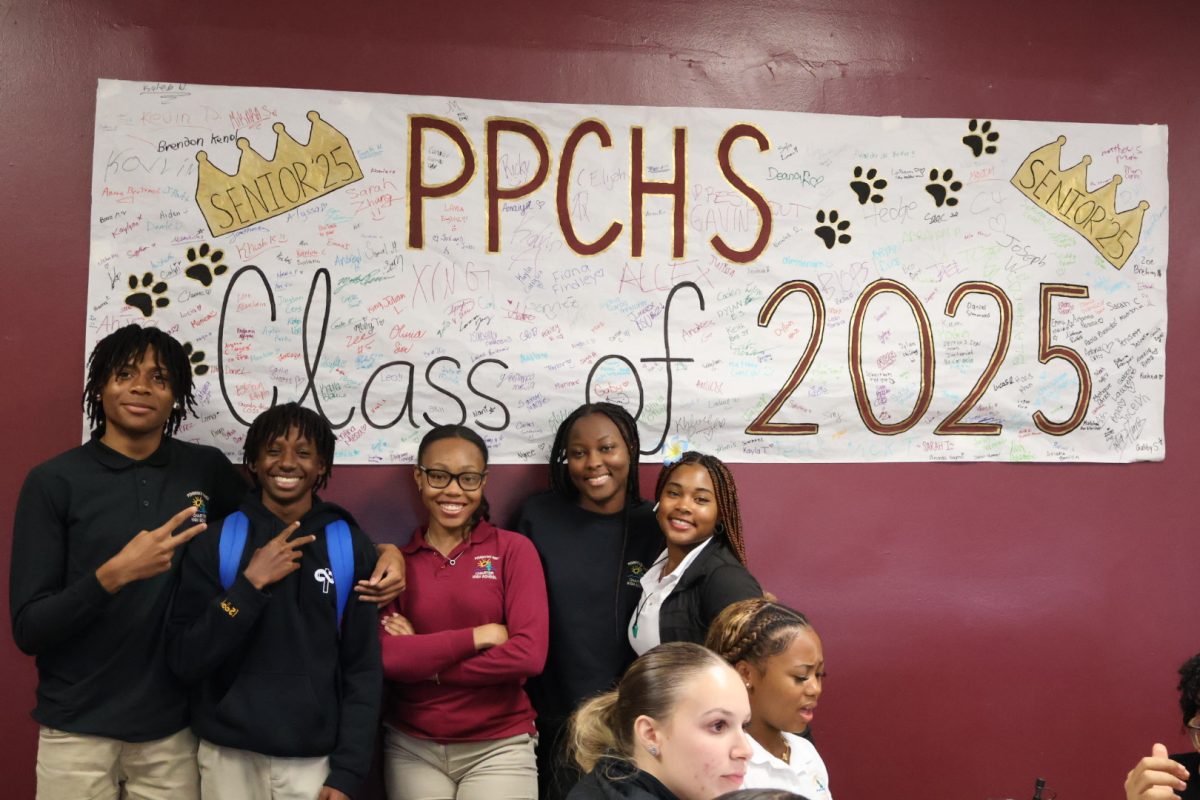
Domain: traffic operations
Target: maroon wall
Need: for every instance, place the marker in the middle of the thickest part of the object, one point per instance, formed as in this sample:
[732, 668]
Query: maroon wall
[983, 624]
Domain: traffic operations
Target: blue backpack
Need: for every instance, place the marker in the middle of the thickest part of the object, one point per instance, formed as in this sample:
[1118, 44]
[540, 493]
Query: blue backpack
[337, 542]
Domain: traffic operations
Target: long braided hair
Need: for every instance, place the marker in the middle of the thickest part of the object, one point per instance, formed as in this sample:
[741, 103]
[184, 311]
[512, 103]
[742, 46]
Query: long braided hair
[729, 516]
[560, 476]
[128, 345]
[754, 630]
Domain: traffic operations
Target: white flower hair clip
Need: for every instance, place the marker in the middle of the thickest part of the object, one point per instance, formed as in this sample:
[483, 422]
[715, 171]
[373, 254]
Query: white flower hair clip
[676, 446]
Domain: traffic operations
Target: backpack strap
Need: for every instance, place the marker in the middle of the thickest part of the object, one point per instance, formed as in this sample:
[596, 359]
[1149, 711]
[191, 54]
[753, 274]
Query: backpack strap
[233, 542]
[341, 561]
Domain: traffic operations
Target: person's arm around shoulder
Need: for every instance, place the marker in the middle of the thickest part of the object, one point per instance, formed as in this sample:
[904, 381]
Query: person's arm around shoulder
[527, 621]
[1155, 777]
[361, 691]
[386, 580]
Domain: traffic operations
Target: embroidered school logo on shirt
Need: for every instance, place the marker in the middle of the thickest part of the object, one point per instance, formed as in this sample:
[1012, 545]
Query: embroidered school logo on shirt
[634, 576]
[324, 576]
[485, 568]
[199, 501]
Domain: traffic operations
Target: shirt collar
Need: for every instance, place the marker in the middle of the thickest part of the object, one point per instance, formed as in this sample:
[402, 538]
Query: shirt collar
[114, 460]
[759, 754]
[482, 533]
[654, 581]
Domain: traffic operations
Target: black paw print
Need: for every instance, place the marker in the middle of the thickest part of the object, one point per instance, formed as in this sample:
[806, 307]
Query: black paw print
[201, 271]
[143, 294]
[940, 189]
[833, 232]
[196, 359]
[981, 137]
[863, 185]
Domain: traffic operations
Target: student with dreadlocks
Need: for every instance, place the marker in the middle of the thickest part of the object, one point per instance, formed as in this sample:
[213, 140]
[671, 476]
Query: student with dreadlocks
[779, 658]
[595, 536]
[703, 568]
[93, 567]
[93, 563]
[461, 641]
[285, 692]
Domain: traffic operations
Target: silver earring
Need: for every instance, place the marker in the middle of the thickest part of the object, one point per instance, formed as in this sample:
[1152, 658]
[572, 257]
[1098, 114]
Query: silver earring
[655, 509]
[652, 750]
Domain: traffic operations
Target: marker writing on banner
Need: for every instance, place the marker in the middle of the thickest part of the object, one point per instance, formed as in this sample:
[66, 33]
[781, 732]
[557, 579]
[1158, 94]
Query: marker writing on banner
[312, 362]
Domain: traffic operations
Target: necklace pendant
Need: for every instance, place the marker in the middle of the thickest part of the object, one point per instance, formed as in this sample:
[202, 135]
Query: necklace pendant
[635, 627]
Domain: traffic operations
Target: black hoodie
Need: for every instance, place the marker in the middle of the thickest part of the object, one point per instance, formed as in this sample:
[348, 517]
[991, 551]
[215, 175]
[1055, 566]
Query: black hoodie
[268, 670]
[616, 779]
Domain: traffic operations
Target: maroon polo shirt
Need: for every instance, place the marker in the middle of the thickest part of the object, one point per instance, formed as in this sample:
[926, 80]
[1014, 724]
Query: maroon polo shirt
[441, 688]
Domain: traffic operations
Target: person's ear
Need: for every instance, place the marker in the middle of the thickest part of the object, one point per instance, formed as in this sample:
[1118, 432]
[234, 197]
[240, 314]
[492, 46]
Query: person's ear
[747, 673]
[647, 736]
[417, 478]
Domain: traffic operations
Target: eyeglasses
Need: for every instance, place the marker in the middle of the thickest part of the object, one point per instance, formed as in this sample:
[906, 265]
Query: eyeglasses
[440, 479]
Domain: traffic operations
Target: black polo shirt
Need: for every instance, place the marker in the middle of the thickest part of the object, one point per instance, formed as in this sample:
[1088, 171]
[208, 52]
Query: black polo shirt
[101, 669]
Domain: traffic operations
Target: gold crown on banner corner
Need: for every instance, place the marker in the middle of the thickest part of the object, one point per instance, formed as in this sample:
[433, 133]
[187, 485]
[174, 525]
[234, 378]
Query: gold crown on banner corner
[1065, 196]
[261, 189]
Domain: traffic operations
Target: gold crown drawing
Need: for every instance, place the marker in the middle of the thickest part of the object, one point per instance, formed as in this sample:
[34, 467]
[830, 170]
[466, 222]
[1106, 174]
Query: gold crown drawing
[1065, 196]
[261, 189]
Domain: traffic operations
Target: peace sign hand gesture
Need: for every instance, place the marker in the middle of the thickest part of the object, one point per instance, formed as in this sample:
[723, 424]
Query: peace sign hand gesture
[147, 554]
[276, 559]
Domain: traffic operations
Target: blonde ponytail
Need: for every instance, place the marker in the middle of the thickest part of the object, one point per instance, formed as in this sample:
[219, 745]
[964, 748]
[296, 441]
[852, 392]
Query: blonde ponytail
[652, 686]
[595, 732]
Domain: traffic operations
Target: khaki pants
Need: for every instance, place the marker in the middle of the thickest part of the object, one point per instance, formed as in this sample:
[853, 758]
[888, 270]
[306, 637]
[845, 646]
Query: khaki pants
[72, 766]
[418, 769]
[227, 773]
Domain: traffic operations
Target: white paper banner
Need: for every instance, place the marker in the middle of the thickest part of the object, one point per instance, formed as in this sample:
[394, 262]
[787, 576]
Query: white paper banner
[766, 286]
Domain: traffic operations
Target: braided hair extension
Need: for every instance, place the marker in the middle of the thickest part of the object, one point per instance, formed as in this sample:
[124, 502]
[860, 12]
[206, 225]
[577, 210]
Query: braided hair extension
[276, 422]
[128, 345]
[1189, 688]
[729, 517]
[753, 630]
[560, 477]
